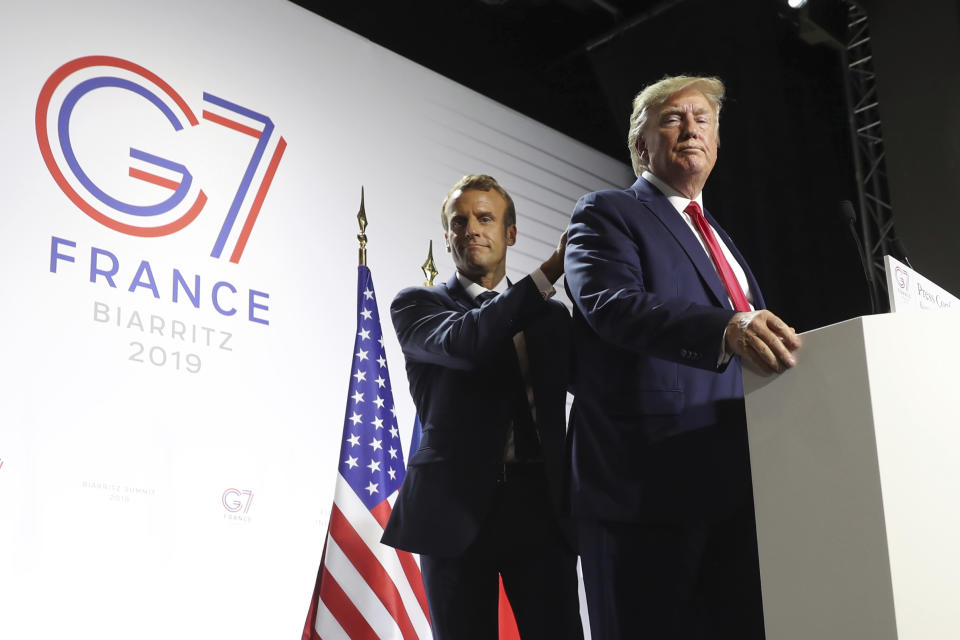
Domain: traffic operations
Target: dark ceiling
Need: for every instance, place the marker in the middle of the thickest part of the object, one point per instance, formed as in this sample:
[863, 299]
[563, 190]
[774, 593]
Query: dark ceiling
[575, 65]
[531, 55]
[540, 57]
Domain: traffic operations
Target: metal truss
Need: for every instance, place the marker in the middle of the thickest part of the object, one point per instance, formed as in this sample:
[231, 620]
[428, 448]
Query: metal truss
[876, 212]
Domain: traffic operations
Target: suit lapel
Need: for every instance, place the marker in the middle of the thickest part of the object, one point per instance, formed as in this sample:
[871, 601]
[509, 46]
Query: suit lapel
[758, 302]
[658, 204]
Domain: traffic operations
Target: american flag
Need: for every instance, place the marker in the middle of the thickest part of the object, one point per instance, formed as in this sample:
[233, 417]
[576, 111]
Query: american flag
[367, 590]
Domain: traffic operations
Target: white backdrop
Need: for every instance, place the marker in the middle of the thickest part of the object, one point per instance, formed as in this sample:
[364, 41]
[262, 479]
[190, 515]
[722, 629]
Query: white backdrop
[156, 482]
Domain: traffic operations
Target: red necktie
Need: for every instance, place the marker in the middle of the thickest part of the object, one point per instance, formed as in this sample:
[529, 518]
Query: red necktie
[730, 282]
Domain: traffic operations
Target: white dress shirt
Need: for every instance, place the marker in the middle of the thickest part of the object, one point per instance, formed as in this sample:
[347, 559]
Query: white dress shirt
[680, 202]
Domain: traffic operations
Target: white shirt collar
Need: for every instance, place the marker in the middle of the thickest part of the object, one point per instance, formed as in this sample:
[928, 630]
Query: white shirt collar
[474, 289]
[678, 200]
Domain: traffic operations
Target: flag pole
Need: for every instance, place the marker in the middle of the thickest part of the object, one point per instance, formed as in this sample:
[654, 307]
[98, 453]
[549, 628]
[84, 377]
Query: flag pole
[429, 268]
[363, 588]
[362, 236]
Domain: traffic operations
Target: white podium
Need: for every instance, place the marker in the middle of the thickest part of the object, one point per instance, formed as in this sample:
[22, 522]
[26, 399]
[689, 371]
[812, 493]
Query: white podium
[856, 474]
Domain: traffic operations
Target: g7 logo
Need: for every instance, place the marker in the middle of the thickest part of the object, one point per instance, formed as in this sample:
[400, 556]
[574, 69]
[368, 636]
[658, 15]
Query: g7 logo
[185, 200]
[235, 500]
[902, 278]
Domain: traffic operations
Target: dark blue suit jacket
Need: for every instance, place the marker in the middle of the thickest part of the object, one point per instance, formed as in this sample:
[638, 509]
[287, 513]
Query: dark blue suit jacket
[454, 356]
[657, 426]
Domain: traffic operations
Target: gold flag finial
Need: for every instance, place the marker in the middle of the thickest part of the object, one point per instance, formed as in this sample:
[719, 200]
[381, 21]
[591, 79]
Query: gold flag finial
[429, 268]
[362, 236]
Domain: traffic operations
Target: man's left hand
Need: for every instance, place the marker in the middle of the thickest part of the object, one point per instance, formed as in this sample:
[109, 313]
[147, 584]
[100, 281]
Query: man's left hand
[764, 342]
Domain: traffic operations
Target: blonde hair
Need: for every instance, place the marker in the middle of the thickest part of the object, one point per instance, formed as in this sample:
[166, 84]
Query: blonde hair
[654, 95]
[480, 182]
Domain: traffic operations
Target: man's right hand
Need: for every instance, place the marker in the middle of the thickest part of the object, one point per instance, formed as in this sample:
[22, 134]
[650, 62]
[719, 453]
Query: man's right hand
[763, 341]
[553, 267]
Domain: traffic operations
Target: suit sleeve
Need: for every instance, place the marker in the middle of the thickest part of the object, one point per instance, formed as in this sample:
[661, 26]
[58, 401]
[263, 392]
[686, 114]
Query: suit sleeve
[607, 282]
[432, 330]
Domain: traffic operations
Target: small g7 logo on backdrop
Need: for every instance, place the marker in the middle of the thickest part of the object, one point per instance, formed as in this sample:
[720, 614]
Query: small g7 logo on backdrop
[236, 501]
[182, 200]
[902, 278]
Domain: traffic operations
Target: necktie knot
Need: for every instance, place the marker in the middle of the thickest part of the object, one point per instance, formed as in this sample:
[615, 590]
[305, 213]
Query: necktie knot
[486, 295]
[693, 210]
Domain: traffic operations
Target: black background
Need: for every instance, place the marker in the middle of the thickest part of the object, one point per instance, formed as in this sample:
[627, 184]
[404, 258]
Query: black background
[785, 155]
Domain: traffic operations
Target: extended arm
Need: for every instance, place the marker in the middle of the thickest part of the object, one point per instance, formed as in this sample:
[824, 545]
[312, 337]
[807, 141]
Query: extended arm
[430, 331]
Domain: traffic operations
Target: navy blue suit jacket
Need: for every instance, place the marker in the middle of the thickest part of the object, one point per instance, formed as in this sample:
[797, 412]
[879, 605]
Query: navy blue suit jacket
[648, 321]
[455, 366]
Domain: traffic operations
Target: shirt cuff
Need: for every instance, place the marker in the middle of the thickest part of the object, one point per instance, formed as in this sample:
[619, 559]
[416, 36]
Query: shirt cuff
[544, 285]
[725, 355]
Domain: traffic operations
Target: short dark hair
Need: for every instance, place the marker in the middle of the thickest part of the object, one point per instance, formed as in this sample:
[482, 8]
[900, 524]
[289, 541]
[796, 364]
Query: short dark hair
[479, 182]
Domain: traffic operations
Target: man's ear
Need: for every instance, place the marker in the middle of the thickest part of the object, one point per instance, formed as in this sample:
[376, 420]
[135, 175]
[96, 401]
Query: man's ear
[641, 147]
[511, 235]
[446, 241]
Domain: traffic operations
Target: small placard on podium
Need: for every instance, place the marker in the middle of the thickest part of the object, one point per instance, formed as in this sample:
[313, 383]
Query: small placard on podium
[910, 291]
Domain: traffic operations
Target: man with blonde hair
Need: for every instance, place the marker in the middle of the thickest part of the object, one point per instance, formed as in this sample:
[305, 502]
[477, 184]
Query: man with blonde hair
[665, 311]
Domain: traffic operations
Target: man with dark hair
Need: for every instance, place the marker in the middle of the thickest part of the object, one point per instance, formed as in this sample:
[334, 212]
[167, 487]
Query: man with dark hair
[665, 311]
[488, 366]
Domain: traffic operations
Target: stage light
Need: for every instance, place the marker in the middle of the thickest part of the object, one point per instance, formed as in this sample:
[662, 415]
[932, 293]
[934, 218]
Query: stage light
[796, 4]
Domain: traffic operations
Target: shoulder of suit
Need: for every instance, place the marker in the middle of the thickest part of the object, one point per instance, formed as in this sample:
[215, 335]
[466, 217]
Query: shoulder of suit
[607, 195]
[411, 294]
[614, 198]
[615, 205]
